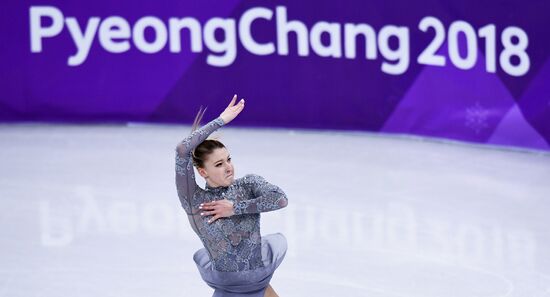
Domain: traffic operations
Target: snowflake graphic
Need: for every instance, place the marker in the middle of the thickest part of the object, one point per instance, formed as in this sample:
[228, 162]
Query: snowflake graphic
[476, 118]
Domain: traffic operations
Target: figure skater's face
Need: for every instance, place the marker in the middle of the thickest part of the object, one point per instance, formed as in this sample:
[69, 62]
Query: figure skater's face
[218, 170]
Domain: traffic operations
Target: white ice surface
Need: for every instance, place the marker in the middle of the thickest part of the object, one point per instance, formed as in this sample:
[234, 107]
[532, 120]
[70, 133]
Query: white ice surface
[93, 211]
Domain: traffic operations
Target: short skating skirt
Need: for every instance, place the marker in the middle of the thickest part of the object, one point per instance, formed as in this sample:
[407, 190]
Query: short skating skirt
[249, 283]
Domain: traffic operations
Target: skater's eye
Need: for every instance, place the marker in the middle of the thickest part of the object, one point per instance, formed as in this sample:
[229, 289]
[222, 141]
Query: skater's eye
[229, 159]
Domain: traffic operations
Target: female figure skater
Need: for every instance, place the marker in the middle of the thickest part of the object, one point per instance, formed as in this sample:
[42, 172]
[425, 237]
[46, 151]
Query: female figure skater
[235, 260]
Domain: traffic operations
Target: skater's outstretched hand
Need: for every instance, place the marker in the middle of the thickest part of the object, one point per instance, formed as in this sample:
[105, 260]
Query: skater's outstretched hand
[232, 110]
[219, 209]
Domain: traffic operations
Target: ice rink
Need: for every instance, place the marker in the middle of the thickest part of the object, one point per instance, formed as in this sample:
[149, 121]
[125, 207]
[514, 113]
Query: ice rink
[93, 211]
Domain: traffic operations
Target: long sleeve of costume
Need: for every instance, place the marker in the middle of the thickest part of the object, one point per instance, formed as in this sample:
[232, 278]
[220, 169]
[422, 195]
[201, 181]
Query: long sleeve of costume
[267, 197]
[185, 176]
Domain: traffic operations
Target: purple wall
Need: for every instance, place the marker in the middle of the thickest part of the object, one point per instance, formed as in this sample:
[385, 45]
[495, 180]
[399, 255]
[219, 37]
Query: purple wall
[453, 69]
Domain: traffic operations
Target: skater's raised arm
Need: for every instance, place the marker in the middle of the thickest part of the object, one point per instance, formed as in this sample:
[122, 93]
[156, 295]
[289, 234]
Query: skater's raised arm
[185, 176]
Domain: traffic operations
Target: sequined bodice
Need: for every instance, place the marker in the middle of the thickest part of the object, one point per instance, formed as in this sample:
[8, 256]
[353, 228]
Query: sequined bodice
[233, 243]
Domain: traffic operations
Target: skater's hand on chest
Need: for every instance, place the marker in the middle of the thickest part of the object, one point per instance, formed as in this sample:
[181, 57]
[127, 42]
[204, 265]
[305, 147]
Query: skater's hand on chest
[217, 209]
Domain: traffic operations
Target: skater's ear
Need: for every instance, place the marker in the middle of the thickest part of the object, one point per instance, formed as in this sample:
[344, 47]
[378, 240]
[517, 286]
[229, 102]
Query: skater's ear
[202, 172]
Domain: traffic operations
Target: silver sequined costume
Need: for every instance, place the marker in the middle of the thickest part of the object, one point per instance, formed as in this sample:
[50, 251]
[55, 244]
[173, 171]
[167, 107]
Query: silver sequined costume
[232, 244]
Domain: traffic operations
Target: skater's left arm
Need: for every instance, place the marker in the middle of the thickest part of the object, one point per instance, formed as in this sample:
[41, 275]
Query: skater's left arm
[267, 197]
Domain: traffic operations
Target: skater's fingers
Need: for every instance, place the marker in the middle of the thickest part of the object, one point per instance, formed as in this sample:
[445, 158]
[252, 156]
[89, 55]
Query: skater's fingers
[207, 207]
[211, 203]
[232, 101]
[214, 218]
[207, 213]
